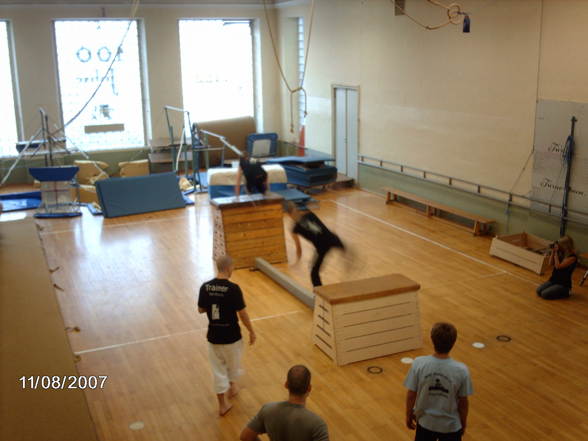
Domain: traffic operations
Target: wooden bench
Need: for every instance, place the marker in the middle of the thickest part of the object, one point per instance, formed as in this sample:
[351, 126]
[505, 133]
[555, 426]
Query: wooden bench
[432, 208]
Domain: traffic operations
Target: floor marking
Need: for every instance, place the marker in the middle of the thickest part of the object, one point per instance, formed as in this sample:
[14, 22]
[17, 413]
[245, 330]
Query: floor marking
[406, 360]
[275, 315]
[434, 242]
[126, 224]
[134, 342]
[465, 281]
[478, 345]
[161, 337]
[137, 425]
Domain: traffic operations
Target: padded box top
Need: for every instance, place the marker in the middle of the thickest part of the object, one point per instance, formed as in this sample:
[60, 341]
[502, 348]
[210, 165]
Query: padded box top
[366, 288]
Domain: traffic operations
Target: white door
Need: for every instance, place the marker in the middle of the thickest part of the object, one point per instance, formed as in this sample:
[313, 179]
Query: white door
[346, 130]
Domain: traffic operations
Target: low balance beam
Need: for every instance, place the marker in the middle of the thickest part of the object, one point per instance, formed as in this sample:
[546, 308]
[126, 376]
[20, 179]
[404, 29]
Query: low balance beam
[302, 294]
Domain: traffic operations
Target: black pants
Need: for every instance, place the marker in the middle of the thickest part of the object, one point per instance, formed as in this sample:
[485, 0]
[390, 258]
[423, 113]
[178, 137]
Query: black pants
[256, 185]
[321, 252]
[553, 291]
[423, 434]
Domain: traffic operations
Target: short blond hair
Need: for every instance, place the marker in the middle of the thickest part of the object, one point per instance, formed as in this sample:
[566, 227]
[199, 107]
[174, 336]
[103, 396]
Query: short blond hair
[223, 263]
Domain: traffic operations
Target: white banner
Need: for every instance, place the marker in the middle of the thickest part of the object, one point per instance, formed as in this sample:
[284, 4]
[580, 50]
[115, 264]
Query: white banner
[552, 128]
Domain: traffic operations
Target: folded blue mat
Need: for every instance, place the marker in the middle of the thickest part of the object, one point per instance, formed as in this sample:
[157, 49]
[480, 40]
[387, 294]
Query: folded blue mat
[139, 194]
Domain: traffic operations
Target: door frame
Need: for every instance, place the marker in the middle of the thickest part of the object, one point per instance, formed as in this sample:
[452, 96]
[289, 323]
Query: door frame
[357, 88]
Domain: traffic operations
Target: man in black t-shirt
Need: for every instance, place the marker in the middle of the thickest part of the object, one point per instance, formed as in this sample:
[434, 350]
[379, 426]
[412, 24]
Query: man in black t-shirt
[222, 301]
[309, 226]
[255, 176]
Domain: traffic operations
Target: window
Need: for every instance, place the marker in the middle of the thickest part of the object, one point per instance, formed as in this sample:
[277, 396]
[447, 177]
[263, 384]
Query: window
[301, 66]
[217, 68]
[8, 131]
[85, 51]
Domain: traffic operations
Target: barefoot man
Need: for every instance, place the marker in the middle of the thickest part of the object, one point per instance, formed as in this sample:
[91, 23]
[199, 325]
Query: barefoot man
[223, 303]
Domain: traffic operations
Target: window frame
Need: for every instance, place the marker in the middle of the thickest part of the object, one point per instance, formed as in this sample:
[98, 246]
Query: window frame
[256, 70]
[143, 78]
[15, 85]
[301, 67]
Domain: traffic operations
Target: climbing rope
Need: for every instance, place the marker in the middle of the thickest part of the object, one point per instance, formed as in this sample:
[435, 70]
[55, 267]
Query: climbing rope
[300, 87]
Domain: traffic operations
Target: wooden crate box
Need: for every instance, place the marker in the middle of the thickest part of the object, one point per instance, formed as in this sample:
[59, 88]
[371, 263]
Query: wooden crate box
[367, 318]
[247, 227]
[523, 249]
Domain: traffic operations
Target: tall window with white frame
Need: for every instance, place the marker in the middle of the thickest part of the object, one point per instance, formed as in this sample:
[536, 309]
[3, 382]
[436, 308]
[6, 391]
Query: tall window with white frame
[301, 67]
[8, 129]
[217, 68]
[91, 52]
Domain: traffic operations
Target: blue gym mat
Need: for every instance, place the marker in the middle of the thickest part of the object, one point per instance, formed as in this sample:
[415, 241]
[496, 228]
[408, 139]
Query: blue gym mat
[307, 171]
[98, 212]
[20, 201]
[312, 158]
[139, 194]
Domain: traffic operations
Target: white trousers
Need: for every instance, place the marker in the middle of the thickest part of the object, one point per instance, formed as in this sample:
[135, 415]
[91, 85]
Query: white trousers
[225, 361]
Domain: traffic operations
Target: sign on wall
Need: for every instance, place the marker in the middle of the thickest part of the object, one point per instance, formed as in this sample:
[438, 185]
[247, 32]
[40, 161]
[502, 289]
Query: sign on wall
[552, 128]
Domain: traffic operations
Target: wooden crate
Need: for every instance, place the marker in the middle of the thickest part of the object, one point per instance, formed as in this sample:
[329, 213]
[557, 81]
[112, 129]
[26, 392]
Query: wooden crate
[523, 249]
[247, 227]
[367, 318]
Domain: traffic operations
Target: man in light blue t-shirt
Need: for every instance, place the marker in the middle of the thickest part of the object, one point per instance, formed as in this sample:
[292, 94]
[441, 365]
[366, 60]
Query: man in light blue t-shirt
[438, 389]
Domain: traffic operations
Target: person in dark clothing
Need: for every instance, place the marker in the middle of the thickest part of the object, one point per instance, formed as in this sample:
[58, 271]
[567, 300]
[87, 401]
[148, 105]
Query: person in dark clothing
[564, 261]
[222, 301]
[310, 227]
[255, 177]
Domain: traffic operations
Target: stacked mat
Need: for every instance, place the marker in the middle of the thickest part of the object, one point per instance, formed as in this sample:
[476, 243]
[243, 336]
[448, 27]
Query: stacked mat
[222, 184]
[221, 181]
[307, 171]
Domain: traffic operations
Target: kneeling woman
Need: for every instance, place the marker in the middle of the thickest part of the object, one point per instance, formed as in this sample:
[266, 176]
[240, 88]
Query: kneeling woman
[564, 261]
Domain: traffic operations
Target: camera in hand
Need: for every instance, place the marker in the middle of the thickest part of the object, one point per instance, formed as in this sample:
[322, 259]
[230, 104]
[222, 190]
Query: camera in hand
[553, 244]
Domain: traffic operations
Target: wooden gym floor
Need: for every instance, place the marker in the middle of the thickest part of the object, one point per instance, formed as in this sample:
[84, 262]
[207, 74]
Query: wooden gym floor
[131, 285]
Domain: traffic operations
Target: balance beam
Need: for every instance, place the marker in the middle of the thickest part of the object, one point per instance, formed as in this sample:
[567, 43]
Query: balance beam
[302, 294]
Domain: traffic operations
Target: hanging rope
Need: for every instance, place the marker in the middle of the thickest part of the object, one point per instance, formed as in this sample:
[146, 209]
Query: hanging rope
[454, 14]
[522, 170]
[300, 87]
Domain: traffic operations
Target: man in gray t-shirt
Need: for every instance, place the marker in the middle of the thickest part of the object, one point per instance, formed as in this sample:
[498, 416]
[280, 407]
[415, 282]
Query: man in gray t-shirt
[438, 389]
[289, 420]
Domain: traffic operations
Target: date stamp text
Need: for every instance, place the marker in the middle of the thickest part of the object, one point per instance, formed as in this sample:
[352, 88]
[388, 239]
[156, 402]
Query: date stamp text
[63, 382]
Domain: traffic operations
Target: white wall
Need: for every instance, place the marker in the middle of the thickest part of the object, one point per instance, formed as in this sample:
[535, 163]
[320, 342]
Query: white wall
[454, 103]
[564, 51]
[36, 63]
